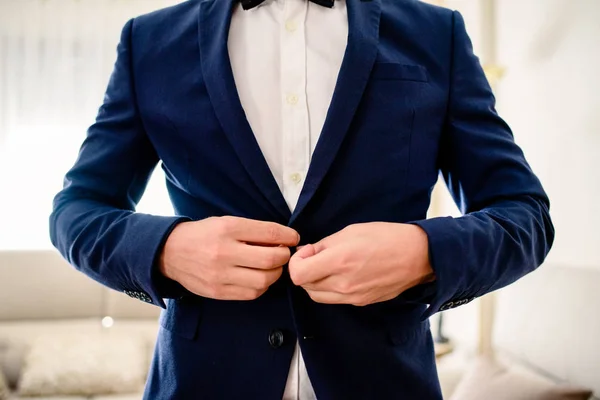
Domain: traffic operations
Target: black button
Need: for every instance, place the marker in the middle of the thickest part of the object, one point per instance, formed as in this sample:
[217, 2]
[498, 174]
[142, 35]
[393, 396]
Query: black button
[276, 338]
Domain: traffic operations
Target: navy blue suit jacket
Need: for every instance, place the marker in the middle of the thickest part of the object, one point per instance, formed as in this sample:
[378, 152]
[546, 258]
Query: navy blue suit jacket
[411, 100]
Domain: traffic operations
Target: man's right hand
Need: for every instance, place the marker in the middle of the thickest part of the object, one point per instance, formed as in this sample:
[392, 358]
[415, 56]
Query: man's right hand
[227, 258]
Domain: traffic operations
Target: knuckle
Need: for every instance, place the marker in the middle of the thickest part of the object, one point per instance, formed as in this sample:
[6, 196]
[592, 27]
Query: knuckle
[214, 292]
[271, 278]
[273, 233]
[225, 225]
[276, 259]
[227, 219]
[344, 287]
[345, 263]
[263, 281]
[360, 301]
[350, 229]
[313, 295]
[286, 254]
[254, 294]
[267, 262]
[215, 253]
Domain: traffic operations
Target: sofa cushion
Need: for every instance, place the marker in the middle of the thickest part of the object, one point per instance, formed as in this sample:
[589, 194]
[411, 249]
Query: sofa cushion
[489, 379]
[16, 337]
[76, 364]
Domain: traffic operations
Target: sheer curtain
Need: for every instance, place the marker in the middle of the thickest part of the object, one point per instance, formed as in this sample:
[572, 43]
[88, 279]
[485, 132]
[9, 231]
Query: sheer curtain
[55, 60]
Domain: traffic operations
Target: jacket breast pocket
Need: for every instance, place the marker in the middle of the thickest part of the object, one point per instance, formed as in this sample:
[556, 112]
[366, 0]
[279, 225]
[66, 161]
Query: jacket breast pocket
[182, 316]
[399, 72]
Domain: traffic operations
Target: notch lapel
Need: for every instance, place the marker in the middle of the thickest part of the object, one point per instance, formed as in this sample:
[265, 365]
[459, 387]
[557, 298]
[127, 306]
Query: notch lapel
[360, 55]
[213, 31]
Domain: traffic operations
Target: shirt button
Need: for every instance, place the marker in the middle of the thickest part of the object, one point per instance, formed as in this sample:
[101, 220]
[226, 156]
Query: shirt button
[291, 26]
[292, 99]
[296, 178]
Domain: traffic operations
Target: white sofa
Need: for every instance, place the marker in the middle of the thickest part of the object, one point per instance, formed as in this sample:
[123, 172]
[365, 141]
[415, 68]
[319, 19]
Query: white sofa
[41, 296]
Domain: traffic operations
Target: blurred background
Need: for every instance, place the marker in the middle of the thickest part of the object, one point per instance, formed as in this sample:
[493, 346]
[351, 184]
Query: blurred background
[541, 56]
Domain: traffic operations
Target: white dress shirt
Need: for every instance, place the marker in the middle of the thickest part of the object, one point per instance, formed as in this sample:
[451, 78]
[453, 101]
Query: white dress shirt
[285, 56]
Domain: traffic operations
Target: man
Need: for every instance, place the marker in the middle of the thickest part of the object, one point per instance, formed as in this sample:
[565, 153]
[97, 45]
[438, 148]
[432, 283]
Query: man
[309, 127]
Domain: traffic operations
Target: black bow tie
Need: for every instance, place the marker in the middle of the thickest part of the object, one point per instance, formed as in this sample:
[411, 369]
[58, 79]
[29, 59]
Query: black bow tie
[248, 4]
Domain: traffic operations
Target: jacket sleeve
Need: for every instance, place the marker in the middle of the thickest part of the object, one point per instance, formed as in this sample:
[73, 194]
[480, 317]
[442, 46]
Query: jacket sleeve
[506, 231]
[94, 224]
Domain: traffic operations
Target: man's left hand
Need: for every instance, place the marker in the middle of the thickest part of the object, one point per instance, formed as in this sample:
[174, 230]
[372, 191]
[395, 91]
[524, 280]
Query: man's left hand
[363, 264]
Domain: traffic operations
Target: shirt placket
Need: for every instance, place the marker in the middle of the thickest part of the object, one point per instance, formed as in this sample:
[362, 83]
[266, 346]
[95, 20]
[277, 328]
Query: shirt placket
[295, 121]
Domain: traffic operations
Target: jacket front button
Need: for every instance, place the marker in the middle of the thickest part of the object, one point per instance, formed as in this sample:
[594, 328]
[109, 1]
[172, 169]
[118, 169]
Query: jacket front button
[276, 338]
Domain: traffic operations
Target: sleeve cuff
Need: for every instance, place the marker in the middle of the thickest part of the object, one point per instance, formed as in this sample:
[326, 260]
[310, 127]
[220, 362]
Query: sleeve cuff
[146, 248]
[166, 288]
[446, 258]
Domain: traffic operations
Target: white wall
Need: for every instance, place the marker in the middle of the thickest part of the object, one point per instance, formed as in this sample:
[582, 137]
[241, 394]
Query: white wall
[550, 96]
[55, 60]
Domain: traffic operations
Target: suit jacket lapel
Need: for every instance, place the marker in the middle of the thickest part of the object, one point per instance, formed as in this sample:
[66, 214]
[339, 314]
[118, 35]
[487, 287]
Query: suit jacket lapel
[360, 55]
[213, 30]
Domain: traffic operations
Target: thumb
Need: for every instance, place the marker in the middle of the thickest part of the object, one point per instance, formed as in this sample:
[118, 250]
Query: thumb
[306, 251]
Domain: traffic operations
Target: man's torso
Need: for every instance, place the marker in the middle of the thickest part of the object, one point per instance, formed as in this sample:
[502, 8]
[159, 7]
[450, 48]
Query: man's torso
[375, 159]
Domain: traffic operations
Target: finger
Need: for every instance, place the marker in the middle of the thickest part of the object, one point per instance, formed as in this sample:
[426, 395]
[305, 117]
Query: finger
[232, 292]
[328, 297]
[312, 269]
[310, 250]
[387, 297]
[306, 251]
[329, 284]
[252, 278]
[325, 297]
[269, 233]
[260, 257]
[261, 244]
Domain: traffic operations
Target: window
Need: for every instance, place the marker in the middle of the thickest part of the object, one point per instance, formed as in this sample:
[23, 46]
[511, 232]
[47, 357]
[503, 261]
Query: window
[55, 60]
